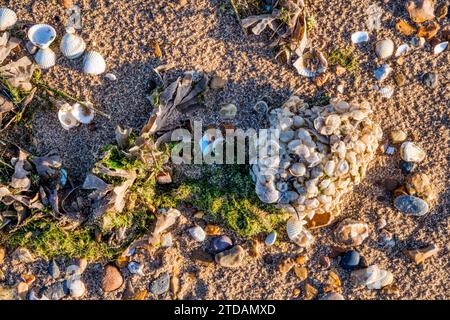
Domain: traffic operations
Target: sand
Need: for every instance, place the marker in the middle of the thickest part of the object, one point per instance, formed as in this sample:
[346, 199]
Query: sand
[204, 35]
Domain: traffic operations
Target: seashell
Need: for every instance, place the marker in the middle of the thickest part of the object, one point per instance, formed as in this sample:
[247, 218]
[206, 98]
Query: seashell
[72, 46]
[228, 111]
[267, 192]
[287, 136]
[45, 58]
[409, 152]
[360, 36]
[8, 18]
[42, 35]
[136, 268]
[401, 50]
[297, 169]
[94, 63]
[261, 107]
[382, 72]
[271, 238]
[311, 64]
[384, 278]
[418, 42]
[82, 114]
[197, 233]
[76, 287]
[111, 77]
[294, 227]
[384, 48]
[351, 232]
[66, 118]
[387, 92]
[306, 72]
[440, 47]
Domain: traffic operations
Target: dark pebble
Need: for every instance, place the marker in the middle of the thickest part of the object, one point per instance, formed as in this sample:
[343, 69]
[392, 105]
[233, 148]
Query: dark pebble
[430, 79]
[53, 270]
[390, 184]
[407, 167]
[363, 263]
[350, 260]
[56, 291]
[411, 205]
[220, 244]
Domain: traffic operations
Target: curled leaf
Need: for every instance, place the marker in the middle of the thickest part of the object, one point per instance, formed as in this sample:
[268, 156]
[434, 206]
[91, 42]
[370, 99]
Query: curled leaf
[19, 179]
[428, 30]
[47, 166]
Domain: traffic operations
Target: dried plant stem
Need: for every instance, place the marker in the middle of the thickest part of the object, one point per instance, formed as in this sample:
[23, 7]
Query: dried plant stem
[236, 12]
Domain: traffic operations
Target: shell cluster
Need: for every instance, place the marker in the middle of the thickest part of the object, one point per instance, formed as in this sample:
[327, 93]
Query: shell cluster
[70, 116]
[314, 156]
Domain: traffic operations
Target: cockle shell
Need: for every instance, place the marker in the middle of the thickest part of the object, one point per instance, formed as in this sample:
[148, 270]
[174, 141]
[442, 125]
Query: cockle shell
[76, 287]
[384, 48]
[440, 47]
[42, 35]
[261, 107]
[94, 63]
[82, 114]
[72, 46]
[8, 18]
[197, 233]
[360, 36]
[267, 192]
[45, 58]
[66, 118]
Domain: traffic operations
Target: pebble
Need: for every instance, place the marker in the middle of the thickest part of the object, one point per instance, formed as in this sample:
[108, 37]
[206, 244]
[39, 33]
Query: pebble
[430, 79]
[398, 136]
[286, 265]
[321, 79]
[22, 255]
[202, 257]
[325, 262]
[296, 292]
[332, 296]
[420, 255]
[197, 233]
[2, 255]
[340, 70]
[220, 244]
[56, 291]
[22, 290]
[212, 230]
[76, 287]
[112, 279]
[310, 292]
[351, 232]
[111, 77]
[399, 79]
[350, 260]
[407, 167]
[381, 223]
[301, 260]
[382, 72]
[231, 258]
[217, 83]
[363, 263]
[161, 284]
[384, 48]
[390, 150]
[254, 250]
[411, 205]
[167, 240]
[301, 273]
[409, 152]
[387, 238]
[271, 238]
[53, 270]
[136, 268]
[228, 111]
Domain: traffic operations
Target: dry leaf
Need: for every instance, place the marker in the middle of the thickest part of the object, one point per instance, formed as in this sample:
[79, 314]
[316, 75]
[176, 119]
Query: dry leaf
[421, 10]
[19, 179]
[122, 136]
[405, 28]
[158, 52]
[5, 104]
[428, 30]
[48, 166]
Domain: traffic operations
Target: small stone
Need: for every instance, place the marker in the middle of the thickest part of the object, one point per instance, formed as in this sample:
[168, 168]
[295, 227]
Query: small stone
[111, 77]
[53, 270]
[350, 260]
[420, 185]
[382, 72]
[164, 178]
[363, 263]
[231, 258]
[411, 153]
[407, 167]
[332, 296]
[411, 205]
[398, 136]
[390, 184]
[333, 282]
[122, 262]
[391, 289]
[310, 292]
[112, 279]
[56, 291]
[390, 150]
[381, 223]
[286, 265]
[66, 3]
[340, 70]
[387, 238]
[220, 244]
[22, 290]
[301, 273]
[228, 111]
[430, 79]
[296, 292]
[77, 288]
[199, 215]
[271, 238]
[136, 268]
[2, 255]
[166, 240]
[254, 250]
[337, 251]
[161, 284]
[325, 262]
[22, 255]
[420, 255]
[384, 48]
[202, 257]
[321, 79]
[212, 230]
[197, 233]
[351, 232]
[301, 260]
[399, 79]
[217, 83]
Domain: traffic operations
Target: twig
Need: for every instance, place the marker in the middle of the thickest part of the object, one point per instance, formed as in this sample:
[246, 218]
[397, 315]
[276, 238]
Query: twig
[236, 12]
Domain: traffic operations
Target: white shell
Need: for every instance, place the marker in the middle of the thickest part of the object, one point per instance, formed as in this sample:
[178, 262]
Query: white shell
[228, 111]
[45, 58]
[387, 92]
[440, 47]
[360, 36]
[261, 107]
[271, 238]
[382, 72]
[77, 288]
[66, 118]
[401, 50]
[306, 72]
[8, 18]
[411, 153]
[111, 77]
[42, 35]
[94, 63]
[294, 227]
[384, 48]
[72, 46]
[82, 114]
[197, 233]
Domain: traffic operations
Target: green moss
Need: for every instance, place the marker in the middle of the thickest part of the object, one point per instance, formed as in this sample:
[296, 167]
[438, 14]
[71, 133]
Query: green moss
[310, 23]
[344, 58]
[44, 238]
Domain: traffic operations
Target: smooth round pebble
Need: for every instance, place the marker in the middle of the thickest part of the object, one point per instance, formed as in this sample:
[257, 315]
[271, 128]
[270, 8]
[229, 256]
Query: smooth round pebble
[407, 167]
[271, 238]
[197, 233]
[112, 279]
[411, 205]
[220, 244]
[161, 284]
[411, 153]
[350, 260]
[430, 79]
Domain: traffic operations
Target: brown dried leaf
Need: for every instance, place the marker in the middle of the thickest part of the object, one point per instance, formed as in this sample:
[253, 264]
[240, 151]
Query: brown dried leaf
[405, 28]
[421, 10]
[48, 166]
[6, 49]
[19, 179]
[19, 73]
[428, 30]
[5, 104]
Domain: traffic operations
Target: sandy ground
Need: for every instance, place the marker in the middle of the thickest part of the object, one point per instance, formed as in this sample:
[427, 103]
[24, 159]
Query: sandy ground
[203, 36]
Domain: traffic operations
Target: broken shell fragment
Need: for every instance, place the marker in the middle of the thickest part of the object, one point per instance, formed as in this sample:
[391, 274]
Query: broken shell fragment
[42, 35]
[66, 117]
[351, 232]
[401, 50]
[45, 58]
[82, 114]
[405, 28]
[420, 10]
[409, 152]
[439, 48]
[384, 48]
[382, 72]
[8, 18]
[360, 36]
[228, 111]
[111, 77]
[94, 63]
[387, 92]
[72, 46]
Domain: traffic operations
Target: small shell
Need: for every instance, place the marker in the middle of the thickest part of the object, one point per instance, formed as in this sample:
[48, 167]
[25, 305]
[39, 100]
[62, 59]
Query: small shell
[387, 92]
[382, 72]
[77, 288]
[72, 46]
[384, 48]
[8, 18]
[360, 36]
[440, 47]
[82, 114]
[45, 58]
[66, 118]
[261, 107]
[42, 35]
[228, 111]
[111, 77]
[94, 63]
[197, 233]
[267, 193]
[294, 227]
[271, 238]
[298, 169]
[411, 153]
[401, 50]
